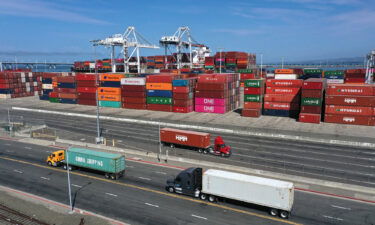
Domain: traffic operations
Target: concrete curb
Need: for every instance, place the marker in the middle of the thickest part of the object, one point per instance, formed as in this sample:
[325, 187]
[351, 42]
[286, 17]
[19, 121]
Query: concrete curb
[339, 189]
[205, 128]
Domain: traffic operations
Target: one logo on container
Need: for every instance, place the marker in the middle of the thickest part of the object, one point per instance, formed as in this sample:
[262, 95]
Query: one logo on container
[181, 138]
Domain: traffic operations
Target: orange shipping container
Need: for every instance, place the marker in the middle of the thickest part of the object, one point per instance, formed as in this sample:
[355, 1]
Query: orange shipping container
[159, 86]
[111, 77]
[114, 98]
[252, 105]
[67, 95]
[284, 71]
[109, 91]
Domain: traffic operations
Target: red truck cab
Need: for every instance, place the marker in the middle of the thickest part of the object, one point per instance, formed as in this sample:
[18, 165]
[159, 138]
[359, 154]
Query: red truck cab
[220, 148]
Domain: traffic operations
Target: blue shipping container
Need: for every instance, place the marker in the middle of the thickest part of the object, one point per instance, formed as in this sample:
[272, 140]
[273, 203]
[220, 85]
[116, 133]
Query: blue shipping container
[180, 83]
[47, 80]
[281, 113]
[159, 93]
[334, 76]
[6, 91]
[110, 84]
[46, 91]
[66, 85]
[67, 101]
[44, 97]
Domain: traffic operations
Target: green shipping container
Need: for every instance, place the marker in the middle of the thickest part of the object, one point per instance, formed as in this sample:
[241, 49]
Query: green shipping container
[334, 72]
[253, 83]
[231, 64]
[209, 67]
[245, 71]
[159, 100]
[110, 104]
[101, 161]
[311, 101]
[54, 100]
[312, 71]
[252, 98]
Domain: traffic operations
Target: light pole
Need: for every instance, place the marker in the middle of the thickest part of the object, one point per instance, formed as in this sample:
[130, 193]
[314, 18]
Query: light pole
[220, 49]
[282, 62]
[261, 65]
[99, 138]
[159, 144]
[69, 188]
[9, 124]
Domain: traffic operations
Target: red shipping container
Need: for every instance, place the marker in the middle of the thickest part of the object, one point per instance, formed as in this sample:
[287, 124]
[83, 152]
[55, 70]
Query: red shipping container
[355, 75]
[134, 106]
[132, 88]
[183, 96]
[211, 94]
[311, 109]
[86, 83]
[355, 80]
[246, 76]
[355, 71]
[161, 78]
[67, 79]
[83, 95]
[349, 110]
[214, 78]
[251, 112]
[179, 109]
[6, 86]
[350, 100]
[252, 105]
[310, 93]
[309, 118]
[281, 106]
[53, 95]
[181, 89]
[134, 94]
[184, 137]
[253, 91]
[212, 86]
[159, 107]
[283, 83]
[348, 89]
[314, 83]
[281, 98]
[86, 102]
[131, 100]
[355, 120]
[86, 77]
[183, 103]
[281, 90]
[65, 90]
[87, 89]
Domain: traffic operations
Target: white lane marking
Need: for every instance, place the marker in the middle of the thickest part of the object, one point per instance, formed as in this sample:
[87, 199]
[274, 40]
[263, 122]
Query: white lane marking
[152, 205]
[44, 178]
[144, 178]
[83, 139]
[9, 151]
[130, 166]
[48, 151]
[340, 207]
[18, 171]
[8, 144]
[200, 217]
[28, 148]
[334, 218]
[161, 172]
[137, 158]
[111, 194]
[75, 185]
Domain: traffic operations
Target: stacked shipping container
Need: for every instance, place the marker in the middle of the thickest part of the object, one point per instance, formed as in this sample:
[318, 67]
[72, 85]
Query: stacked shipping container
[350, 104]
[47, 87]
[355, 76]
[334, 76]
[15, 84]
[87, 88]
[109, 92]
[217, 93]
[282, 98]
[312, 100]
[65, 91]
[253, 98]
[133, 93]
[183, 95]
[159, 92]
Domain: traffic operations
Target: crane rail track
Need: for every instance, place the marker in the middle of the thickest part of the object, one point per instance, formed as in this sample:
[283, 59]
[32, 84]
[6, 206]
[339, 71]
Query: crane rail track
[11, 216]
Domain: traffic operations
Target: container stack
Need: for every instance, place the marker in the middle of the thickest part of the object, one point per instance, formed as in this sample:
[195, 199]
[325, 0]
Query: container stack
[334, 76]
[109, 92]
[183, 92]
[312, 73]
[282, 98]
[18, 84]
[86, 89]
[159, 92]
[65, 91]
[253, 98]
[350, 104]
[133, 93]
[247, 74]
[355, 76]
[47, 86]
[217, 93]
[209, 63]
[288, 74]
[312, 100]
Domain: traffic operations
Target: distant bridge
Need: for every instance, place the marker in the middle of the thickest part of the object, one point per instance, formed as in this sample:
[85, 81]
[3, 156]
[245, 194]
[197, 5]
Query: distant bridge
[12, 65]
[320, 66]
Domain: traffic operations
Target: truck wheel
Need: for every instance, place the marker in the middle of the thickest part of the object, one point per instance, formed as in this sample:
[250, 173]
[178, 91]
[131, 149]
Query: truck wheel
[70, 168]
[106, 175]
[222, 155]
[273, 212]
[203, 196]
[200, 150]
[205, 151]
[211, 198]
[172, 145]
[65, 167]
[113, 176]
[284, 214]
[49, 163]
[170, 189]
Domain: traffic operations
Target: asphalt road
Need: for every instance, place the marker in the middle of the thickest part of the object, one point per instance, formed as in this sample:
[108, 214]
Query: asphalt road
[140, 198]
[323, 161]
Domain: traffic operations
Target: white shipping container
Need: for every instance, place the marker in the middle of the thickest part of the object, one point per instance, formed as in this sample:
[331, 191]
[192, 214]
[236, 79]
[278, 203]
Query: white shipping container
[5, 96]
[47, 86]
[286, 76]
[23, 75]
[92, 65]
[133, 81]
[256, 190]
[335, 81]
[23, 79]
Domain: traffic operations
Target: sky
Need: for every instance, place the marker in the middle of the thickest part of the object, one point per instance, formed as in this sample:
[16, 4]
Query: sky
[295, 30]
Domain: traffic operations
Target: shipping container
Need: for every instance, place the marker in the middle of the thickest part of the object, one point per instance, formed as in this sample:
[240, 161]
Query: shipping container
[159, 86]
[251, 112]
[353, 90]
[309, 118]
[282, 90]
[160, 107]
[134, 106]
[349, 110]
[350, 119]
[350, 100]
[284, 83]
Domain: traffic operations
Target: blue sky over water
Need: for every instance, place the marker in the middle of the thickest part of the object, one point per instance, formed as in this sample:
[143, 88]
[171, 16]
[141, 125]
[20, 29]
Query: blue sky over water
[293, 29]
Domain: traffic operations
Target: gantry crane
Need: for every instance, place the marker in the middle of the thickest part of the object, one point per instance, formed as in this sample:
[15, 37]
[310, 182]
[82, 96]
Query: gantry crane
[130, 39]
[183, 40]
[370, 69]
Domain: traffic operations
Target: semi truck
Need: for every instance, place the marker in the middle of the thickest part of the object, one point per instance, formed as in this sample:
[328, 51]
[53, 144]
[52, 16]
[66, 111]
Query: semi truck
[112, 165]
[276, 195]
[195, 140]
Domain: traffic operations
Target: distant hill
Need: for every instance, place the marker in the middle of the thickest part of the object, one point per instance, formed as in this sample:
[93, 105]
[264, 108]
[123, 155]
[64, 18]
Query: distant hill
[351, 60]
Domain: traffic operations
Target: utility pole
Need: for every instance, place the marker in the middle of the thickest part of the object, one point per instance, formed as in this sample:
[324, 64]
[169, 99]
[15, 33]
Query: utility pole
[159, 144]
[220, 49]
[99, 138]
[69, 188]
